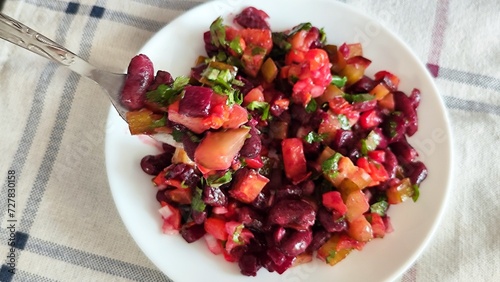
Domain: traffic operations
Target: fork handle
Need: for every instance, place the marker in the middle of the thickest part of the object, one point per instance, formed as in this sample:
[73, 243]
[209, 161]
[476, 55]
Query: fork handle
[27, 38]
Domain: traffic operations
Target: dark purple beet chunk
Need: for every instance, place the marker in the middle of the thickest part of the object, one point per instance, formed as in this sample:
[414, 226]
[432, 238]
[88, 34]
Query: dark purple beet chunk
[390, 163]
[252, 146]
[415, 97]
[404, 151]
[343, 138]
[276, 255]
[250, 218]
[285, 265]
[199, 216]
[394, 126]
[288, 191]
[193, 232]
[416, 171]
[184, 173]
[214, 196]
[404, 104]
[319, 238]
[167, 148]
[363, 85]
[251, 17]
[162, 77]
[189, 145]
[331, 221]
[196, 101]
[249, 264]
[210, 48]
[365, 106]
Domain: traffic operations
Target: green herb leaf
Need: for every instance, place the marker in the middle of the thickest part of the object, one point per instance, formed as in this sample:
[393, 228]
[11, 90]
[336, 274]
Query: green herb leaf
[261, 106]
[235, 45]
[331, 165]
[355, 98]
[237, 233]
[379, 207]
[165, 94]
[331, 255]
[302, 26]
[344, 122]
[339, 81]
[322, 36]
[370, 143]
[177, 134]
[312, 106]
[280, 41]
[258, 51]
[218, 32]
[197, 203]
[314, 137]
[216, 181]
[159, 123]
[416, 192]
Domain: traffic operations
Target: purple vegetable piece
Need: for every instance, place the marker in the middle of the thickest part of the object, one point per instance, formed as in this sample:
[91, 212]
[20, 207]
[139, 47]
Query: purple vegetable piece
[363, 85]
[199, 217]
[365, 106]
[251, 218]
[331, 221]
[214, 196]
[296, 214]
[394, 126]
[252, 146]
[404, 104]
[210, 48]
[249, 264]
[196, 101]
[416, 171]
[192, 233]
[415, 97]
[184, 173]
[404, 151]
[390, 163]
[319, 238]
[251, 17]
[140, 75]
[288, 191]
[343, 138]
[162, 77]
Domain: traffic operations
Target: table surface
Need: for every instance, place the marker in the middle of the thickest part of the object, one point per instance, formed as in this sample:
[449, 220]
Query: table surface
[69, 229]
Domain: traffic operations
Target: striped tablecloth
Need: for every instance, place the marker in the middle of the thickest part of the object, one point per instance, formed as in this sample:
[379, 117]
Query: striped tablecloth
[52, 126]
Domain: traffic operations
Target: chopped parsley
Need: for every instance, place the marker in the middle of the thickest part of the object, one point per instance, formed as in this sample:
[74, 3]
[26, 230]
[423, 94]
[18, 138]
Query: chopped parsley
[166, 94]
[237, 233]
[379, 207]
[197, 203]
[312, 106]
[416, 192]
[331, 255]
[302, 26]
[236, 46]
[355, 98]
[216, 180]
[370, 143]
[263, 107]
[159, 123]
[314, 137]
[339, 81]
[218, 32]
[330, 166]
[344, 122]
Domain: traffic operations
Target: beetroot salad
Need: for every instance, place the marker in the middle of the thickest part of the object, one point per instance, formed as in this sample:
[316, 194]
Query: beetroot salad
[290, 151]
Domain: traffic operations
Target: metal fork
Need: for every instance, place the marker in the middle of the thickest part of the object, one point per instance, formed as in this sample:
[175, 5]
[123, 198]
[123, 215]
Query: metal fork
[112, 83]
[25, 37]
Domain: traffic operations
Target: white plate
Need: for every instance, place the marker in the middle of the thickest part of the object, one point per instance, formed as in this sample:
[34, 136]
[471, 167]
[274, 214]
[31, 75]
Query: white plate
[175, 48]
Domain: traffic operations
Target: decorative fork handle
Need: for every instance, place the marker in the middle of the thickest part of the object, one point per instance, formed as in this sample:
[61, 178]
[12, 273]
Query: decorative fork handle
[27, 38]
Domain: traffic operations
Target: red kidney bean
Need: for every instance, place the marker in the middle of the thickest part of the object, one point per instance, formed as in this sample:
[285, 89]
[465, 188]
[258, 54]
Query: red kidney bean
[295, 214]
[319, 238]
[331, 221]
[162, 77]
[253, 145]
[416, 171]
[140, 74]
[415, 97]
[296, 242]
[251, 17]
[153, 165]
[249, 264]
[391, 163]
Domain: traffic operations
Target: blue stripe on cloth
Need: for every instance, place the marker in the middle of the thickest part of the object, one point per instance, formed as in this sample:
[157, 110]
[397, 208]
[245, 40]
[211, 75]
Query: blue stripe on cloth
[172, 5]
[72, 8]
[94, 262]
[97, 12]
[21, 240]
[474, 79]
[6, 276]
[35, 113]
[471, 106]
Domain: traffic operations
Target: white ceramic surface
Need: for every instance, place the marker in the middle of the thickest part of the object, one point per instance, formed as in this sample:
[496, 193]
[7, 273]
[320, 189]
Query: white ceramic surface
[175, 48]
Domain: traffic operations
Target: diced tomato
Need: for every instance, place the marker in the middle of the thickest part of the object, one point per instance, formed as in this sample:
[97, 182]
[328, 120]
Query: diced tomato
[376, 170]
[378, 225]
[295, 56]
[377, 155]
[248, 186]
[218, 149]
[258, 37]
[216, 227]
[255, 163]
[252, 61]
[237, 117]
[159, 181]
[360, 229]
[370, 119]
[255, 94]
[347, 242]
[294, 159]
[317, 58]
[333, 200]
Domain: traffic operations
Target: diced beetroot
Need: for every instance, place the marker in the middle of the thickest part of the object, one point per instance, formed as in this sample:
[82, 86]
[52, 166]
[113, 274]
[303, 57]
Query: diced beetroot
[404, 150]
[249, 265]
[296, 242]
[416, 171]
[196, 101]
[192, 232]
[296, 214]
[319, 238]
[140, 75]
[251, 17]
[370, 119]
[332, 221]
[415, 97]
[388, 79]
[405, 105]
